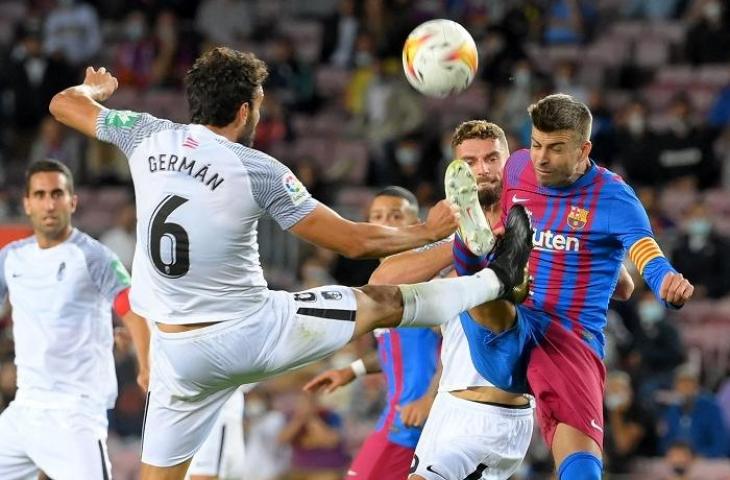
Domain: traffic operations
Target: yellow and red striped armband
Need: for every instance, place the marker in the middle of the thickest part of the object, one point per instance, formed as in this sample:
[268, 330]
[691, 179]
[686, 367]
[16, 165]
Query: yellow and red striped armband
[644, 251]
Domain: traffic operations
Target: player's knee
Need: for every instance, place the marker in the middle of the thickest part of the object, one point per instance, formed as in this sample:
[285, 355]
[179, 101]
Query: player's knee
[415, 476]
[580, 466]
[382, 305]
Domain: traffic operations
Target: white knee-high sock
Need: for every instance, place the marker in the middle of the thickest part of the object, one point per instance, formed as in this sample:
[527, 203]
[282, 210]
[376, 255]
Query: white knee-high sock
[433, 303]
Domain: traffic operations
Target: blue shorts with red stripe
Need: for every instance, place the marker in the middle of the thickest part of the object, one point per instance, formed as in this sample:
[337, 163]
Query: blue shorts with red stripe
[552, 363]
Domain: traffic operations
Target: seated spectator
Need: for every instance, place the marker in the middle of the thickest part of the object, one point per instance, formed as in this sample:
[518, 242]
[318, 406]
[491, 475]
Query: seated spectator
[59, 143]
[708, 39]
[291, 78]
[630, 429]
[656, 349]
[134, 57]
[693, 416]
[679, 460]
[122, 238]
[635, 155]
[703, 255]
[339, 32]
[564, 23]
[72, 30]
[685, 147]
[315, 436]
[225, 22]
[265, 458]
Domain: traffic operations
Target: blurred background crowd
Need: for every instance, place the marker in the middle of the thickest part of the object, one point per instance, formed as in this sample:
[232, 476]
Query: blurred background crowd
[339, 113]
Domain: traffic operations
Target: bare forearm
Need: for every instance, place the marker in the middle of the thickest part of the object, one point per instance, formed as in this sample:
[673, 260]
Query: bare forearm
[433, 388]
[377, 241]
[140, 333]
[291, 430]
[372, 362]
[413, 266]
[77, 107]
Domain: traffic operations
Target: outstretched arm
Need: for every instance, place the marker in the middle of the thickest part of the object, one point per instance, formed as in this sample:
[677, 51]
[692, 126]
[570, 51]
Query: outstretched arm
[630, 224]
[325, 228]
[78, 107]
[331, 380]
[415, 266]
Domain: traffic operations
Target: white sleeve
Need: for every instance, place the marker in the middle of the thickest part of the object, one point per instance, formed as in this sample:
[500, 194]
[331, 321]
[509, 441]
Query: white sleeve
[127, 129]
[105, 269]
[275, 188]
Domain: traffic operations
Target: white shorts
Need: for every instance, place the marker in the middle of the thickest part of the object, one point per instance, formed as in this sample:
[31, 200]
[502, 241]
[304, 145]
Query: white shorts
[463, 439]
[195, 372]
[222, 453]
[64, 444]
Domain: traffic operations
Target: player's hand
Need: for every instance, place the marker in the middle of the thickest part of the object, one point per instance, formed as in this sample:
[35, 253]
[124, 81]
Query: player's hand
[676, 289]
[143, 379]
[442, 220]
[330, 380]
[414, 414]
[101, 82]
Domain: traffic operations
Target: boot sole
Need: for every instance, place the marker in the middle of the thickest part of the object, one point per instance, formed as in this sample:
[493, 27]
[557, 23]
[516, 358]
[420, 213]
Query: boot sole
[461, 190]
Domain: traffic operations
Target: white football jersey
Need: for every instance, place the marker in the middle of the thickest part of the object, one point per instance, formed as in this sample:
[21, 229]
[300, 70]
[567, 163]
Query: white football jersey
[458, 370]
[199, 199]
[62, 300]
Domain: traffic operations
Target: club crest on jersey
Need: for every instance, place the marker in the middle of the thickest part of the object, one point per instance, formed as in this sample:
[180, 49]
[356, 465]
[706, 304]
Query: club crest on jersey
[294, 188]
[577, 218]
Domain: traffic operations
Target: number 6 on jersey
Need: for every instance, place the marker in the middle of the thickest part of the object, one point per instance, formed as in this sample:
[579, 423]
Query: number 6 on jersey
[168, 242]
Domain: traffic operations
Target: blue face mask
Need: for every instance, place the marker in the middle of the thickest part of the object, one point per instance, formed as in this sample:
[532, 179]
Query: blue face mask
[699, 227]
[650, 312]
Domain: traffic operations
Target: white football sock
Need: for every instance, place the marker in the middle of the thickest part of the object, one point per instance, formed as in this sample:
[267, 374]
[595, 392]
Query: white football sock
[433, 303]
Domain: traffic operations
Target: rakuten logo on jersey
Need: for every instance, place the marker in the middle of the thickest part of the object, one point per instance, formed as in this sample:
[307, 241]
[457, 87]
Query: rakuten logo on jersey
[547, 240]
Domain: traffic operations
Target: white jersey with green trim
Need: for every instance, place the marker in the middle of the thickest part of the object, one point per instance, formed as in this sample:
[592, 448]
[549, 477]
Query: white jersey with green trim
[199, 198]
[62, 325]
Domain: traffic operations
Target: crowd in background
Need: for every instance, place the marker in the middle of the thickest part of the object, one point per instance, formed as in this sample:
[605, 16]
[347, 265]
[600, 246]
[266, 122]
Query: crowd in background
[339, 113]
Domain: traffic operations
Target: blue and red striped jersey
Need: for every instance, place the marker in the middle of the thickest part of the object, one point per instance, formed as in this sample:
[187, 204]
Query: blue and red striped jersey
[409, 358]
[582, 233]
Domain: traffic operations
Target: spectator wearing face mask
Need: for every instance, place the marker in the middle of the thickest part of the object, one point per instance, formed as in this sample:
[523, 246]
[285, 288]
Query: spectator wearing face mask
[693, 416]
[656, 349]
[708, 39]
[702, 254]
[629, 427]
[635, 154]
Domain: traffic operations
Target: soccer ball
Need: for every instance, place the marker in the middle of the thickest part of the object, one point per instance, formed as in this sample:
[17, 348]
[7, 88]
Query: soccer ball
[440, 58]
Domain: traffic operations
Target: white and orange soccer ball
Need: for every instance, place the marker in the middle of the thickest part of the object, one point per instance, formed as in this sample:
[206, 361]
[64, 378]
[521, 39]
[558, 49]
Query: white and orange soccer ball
[440, 58]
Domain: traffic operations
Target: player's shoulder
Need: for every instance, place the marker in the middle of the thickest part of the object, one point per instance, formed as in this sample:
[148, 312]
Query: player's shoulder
[516, 165]
[92, 249]
[248, 156]
[518, 160]
[613, 184]
[17, 246]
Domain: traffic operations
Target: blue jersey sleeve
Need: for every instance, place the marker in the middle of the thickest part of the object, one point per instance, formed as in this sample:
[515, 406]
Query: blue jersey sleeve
[629, 222]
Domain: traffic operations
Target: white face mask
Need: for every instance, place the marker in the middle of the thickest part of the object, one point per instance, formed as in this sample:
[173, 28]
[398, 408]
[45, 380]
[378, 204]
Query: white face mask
[636, 123]
[712, 11]
[615, 400]
[254, 407]
[650, 312]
